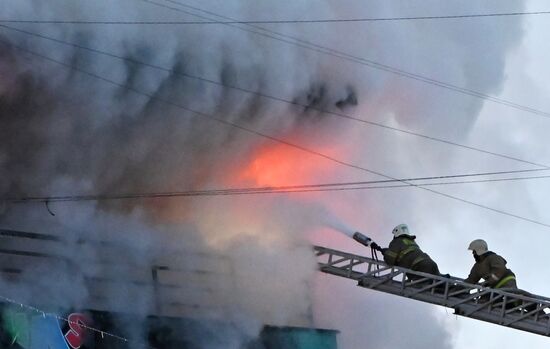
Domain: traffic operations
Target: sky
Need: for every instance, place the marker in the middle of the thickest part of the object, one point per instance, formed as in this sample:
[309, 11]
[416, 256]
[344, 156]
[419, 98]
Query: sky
[81, 135]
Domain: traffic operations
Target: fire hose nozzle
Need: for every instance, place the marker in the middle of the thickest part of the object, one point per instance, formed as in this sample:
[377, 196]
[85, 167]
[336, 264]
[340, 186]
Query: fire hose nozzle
[366, 241]
[362, 239]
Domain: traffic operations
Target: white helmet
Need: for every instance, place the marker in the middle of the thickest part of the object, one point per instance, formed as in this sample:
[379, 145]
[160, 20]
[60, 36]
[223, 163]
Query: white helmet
[479, 246]
[401, 229]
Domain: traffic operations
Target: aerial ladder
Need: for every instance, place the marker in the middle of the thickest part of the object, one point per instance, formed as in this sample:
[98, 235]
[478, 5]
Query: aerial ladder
[511, 308]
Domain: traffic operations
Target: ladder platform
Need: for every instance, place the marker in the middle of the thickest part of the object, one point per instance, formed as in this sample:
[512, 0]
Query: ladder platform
[512, 308]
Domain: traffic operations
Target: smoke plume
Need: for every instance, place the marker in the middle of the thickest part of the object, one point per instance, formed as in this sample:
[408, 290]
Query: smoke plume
[124, 127]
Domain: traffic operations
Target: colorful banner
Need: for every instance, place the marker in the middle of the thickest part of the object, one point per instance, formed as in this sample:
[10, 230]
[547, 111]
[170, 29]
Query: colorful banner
[23, 328]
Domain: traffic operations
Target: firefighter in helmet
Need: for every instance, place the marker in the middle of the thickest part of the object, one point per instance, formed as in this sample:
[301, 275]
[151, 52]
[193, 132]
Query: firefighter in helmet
[490, 267]
[403, 251]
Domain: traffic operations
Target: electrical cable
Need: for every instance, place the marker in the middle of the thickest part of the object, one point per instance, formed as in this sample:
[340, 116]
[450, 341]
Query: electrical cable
[283, 21]
[279, 99]
[308, 188]
[258, 133]
[342, 55]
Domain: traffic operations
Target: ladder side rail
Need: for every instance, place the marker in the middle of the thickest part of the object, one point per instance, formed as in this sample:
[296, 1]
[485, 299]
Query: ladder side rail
[439, 281]
[490, 311]
[453, 281]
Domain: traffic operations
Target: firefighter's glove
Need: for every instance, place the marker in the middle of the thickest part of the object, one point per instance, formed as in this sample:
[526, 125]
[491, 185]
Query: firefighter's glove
[375, 246]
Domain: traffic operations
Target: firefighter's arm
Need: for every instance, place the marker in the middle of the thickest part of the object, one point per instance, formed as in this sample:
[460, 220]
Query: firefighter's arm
[474, 276]
[390, 256]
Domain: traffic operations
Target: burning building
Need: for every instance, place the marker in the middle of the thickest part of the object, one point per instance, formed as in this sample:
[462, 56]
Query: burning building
[188, 308]
[78, 117]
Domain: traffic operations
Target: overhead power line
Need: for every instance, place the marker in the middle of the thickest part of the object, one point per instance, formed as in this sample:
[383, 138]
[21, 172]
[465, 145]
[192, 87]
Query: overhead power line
[274, 98]
[308, 45]
[306, 188]
[277, 21]
[258, 133]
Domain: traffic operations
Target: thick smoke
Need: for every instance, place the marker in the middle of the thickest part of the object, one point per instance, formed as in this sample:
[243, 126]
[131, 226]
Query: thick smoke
[65, 132]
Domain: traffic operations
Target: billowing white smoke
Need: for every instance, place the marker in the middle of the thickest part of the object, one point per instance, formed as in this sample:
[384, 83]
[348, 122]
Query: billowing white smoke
[65, 132]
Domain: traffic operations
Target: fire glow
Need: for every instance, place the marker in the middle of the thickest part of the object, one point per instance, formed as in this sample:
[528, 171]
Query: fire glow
[272, 165]
[281, 165]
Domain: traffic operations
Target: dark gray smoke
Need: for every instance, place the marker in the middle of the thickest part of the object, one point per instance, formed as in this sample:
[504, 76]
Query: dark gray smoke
[66, 133]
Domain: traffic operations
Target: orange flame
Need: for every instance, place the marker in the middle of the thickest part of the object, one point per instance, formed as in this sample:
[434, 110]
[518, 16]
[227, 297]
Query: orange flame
[281, 165]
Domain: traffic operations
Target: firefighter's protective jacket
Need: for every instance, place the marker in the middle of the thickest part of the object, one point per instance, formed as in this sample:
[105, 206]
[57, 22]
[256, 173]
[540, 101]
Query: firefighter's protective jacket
[404, 252]
[492, 268]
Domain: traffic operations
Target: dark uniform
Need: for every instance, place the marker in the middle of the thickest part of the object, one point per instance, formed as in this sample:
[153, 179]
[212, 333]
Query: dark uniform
[404, 252]
[492, 268]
